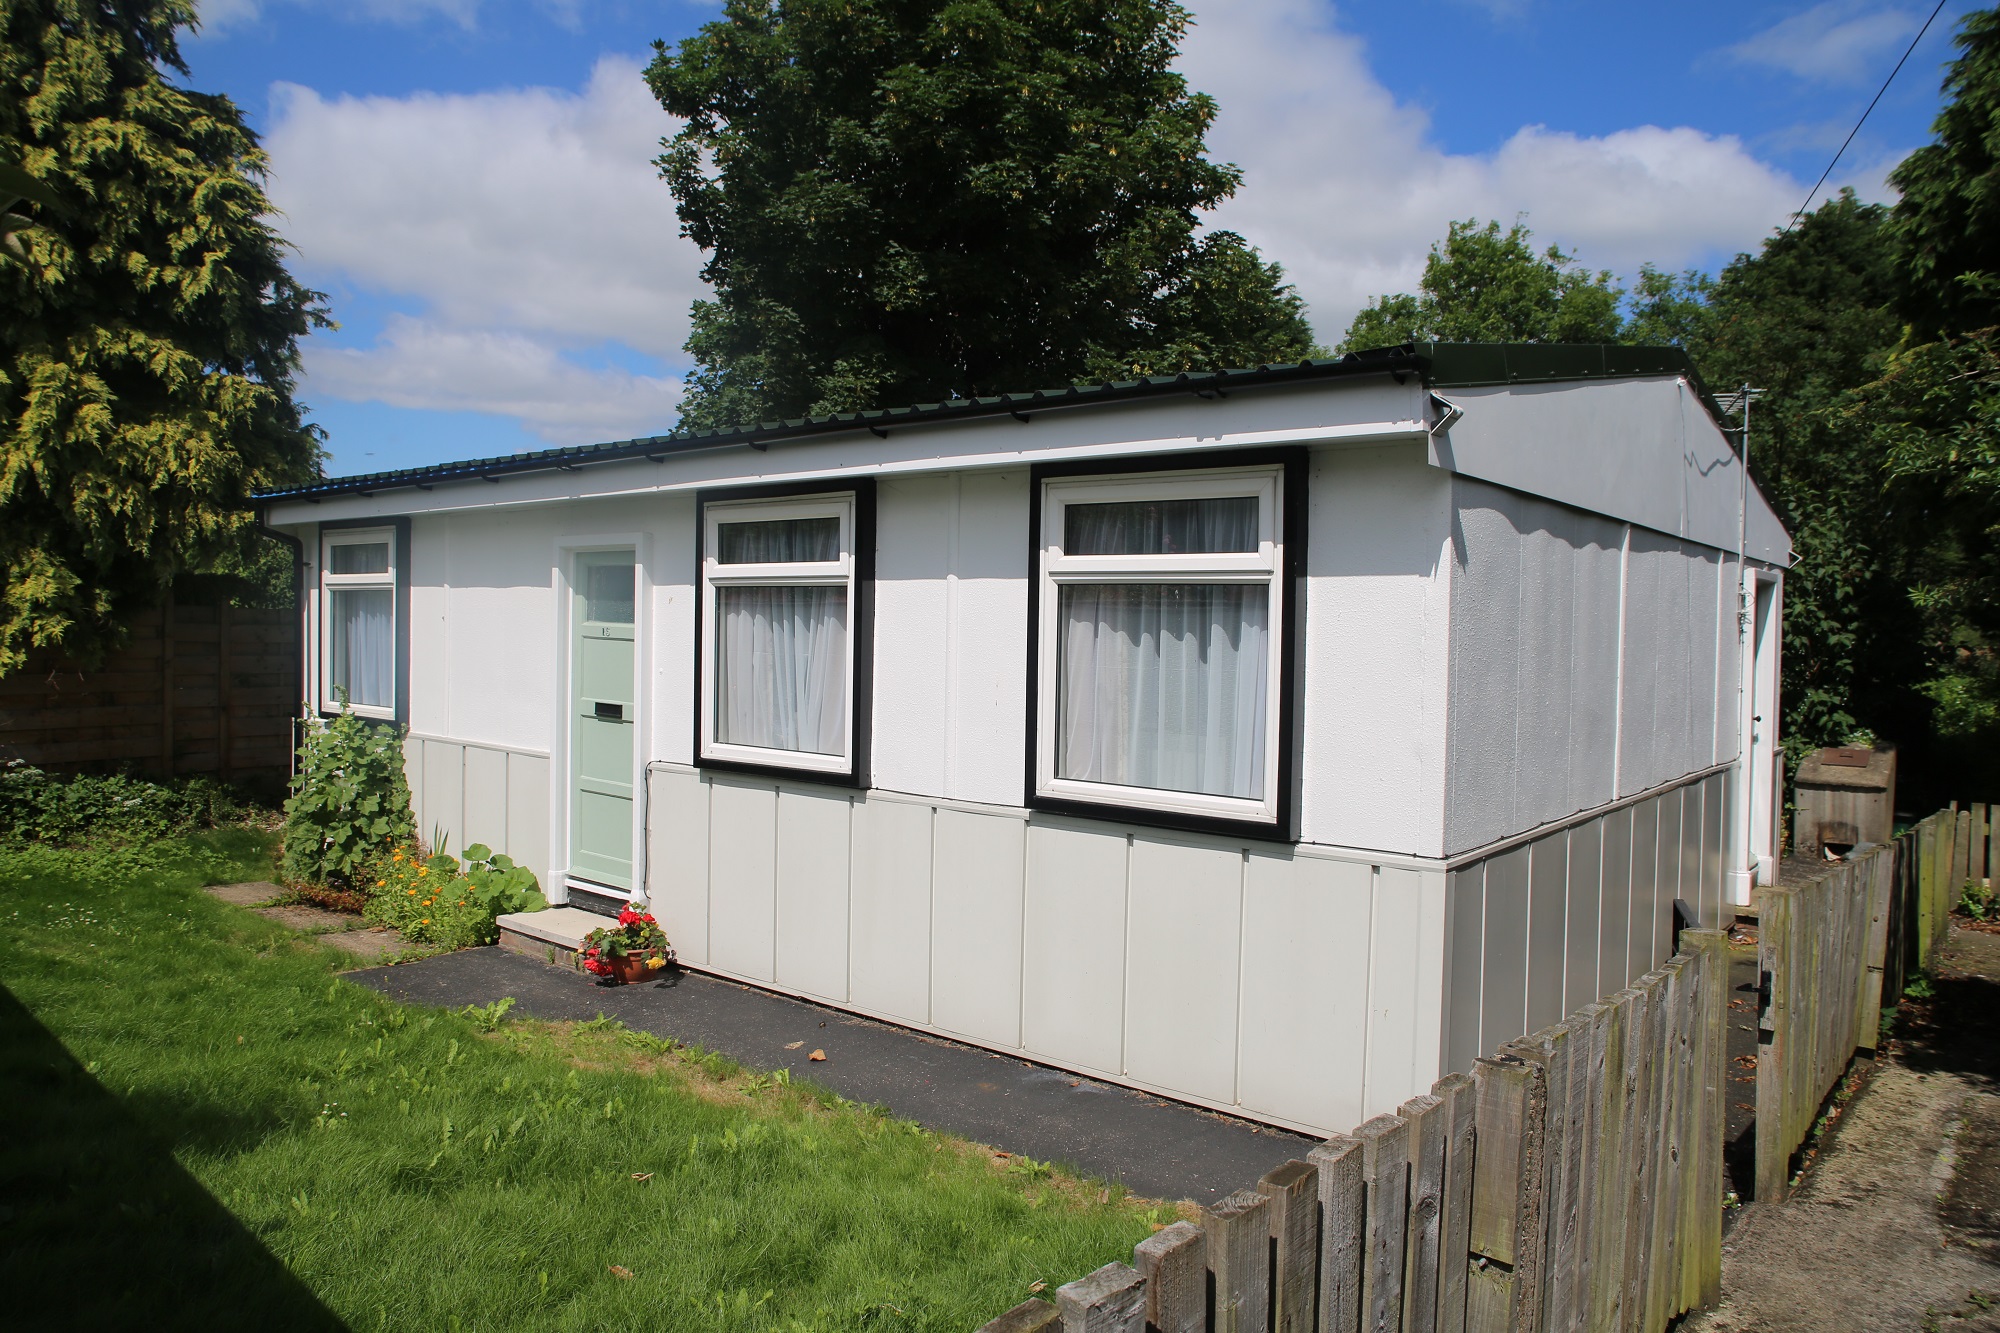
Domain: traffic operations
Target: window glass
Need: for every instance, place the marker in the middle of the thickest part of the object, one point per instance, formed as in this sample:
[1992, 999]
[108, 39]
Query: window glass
[1161, 527]
[778, 541]
[607, 592]
[358, 558]
[781, 666]
[361, 644]
[1164, 685]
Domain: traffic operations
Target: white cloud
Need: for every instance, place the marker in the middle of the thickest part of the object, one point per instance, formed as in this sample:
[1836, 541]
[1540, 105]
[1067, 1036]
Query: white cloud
[1840, 41]
[529, 209]
[420, 364]
[220, 15]
[1348, 189]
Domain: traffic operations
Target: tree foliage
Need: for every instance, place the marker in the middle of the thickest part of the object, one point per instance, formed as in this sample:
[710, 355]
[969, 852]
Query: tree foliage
[1481, 284]
[150, 339]
[907, 200]
[1946, 227]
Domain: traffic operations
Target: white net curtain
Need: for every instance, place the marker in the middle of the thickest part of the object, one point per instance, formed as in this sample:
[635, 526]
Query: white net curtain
[781, 659]
[1164, 685]
[362, 630]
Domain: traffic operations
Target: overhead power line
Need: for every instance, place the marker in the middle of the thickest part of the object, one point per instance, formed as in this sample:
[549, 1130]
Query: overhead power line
[1864, 118]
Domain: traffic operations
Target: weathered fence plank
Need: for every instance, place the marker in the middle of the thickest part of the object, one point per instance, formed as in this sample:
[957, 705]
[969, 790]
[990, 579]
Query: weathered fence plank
[1385, 1172]
[1174, 1262]
[1343, 1229]
[1027, 1317]
[1293, 1190]
[1111, 1300]
[1426, 1117]
[1607, 1263]
[1461, 1105]
[1239, 1261]
[1508, 1231]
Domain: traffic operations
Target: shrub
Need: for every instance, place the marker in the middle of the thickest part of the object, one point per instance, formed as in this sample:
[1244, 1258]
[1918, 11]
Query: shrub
[437, 900]
[40, 807]
[350, 800]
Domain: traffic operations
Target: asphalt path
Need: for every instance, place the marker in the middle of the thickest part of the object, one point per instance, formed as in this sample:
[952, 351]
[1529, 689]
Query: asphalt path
[1155, 1148]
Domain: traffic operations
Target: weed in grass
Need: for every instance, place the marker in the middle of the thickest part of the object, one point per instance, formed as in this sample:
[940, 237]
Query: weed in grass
[300, 1153]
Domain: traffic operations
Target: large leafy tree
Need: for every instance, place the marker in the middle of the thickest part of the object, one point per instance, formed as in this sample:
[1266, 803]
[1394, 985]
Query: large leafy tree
[1481, 284]
[905, 200]
[1807, 320]
[149, 334]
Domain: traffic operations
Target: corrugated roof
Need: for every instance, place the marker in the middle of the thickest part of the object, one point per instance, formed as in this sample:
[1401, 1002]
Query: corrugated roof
[1442, 365]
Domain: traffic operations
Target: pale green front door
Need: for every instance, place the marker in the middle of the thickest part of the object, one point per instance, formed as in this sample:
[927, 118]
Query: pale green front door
[603, 692]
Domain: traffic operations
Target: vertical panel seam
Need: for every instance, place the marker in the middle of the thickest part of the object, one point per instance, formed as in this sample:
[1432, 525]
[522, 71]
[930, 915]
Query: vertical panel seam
[1374, 972]
[1242, 943]
[1618, 675]
[1125, 967]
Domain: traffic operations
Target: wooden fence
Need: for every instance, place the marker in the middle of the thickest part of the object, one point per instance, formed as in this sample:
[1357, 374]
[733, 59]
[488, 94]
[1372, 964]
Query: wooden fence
[1573, 1181]
[1832, 953]
[199, 689]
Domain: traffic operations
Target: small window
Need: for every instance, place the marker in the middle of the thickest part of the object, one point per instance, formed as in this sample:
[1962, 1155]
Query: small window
[358, 632]
[1159, 662]
[779, 591]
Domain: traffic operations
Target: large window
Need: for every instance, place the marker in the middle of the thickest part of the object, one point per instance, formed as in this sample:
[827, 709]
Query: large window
[1160, 653]
[784, 635]
[358, 620]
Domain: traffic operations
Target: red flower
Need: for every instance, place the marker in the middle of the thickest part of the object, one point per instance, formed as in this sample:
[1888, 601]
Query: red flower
[628, 917]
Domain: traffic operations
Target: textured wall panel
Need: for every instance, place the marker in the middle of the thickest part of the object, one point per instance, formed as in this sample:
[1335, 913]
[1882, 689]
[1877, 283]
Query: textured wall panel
[813, 856]
[677, 862]
[1306, 962]
[889, 936]
[485, 798]
[1073, 980]
[1582, 940]
[1183, 932]
[976, 936]
[742, 877]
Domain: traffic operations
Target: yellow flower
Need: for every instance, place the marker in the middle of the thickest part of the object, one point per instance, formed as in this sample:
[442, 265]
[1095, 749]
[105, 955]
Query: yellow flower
[427, 921]
[381, 883]
[412, 893]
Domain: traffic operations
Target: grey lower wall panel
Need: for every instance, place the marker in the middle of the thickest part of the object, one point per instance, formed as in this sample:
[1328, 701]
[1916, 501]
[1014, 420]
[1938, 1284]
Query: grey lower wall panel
[1544, 927]
[462, 793]
[1298, 986]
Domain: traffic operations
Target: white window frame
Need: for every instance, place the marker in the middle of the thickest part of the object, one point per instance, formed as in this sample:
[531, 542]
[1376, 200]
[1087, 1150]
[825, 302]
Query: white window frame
[329, 582]
[1264, 566]
[839, 572]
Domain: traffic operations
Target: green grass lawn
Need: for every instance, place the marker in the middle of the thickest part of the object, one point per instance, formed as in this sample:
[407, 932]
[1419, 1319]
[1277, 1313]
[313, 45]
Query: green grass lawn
[202, 1127]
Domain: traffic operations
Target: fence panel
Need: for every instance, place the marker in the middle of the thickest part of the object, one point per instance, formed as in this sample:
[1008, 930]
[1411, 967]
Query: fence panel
[1572, 1182]
[197, 689]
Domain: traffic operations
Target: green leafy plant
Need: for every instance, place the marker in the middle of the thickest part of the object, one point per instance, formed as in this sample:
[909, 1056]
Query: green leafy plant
[62, 811]
[489, 1017]
[1976, 901]
[349, 801]
[438, 899]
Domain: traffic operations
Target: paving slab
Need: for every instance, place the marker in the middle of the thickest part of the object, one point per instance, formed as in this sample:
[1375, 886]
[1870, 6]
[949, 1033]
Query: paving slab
[342, 930]
[244, 895]
[373, 944]
[1155, 1148]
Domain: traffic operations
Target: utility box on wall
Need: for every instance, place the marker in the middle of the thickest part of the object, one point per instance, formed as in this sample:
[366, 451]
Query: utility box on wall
[1845, 796]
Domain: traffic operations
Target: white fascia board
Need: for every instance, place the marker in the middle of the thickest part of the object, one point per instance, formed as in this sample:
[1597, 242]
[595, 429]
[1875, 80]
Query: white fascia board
[1367, 412]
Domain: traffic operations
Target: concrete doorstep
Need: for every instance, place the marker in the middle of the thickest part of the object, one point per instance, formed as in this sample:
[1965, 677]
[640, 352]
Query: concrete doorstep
[341, 930]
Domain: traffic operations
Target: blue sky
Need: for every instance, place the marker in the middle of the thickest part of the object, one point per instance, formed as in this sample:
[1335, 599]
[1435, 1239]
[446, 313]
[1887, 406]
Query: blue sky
[469, 180]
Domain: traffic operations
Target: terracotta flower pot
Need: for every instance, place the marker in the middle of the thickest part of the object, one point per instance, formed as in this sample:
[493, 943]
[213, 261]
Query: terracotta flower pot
[630, 969]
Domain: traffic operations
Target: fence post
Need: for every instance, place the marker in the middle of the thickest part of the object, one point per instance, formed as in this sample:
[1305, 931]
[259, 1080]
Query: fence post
[1881, 872]
[167, 684]
[1607, 1263]
[1426, 1114]
[1507, 1234]
[1174, 1262]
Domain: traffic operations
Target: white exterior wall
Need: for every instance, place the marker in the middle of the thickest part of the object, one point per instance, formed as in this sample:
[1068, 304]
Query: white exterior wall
[1591, 660]
[1300, 986]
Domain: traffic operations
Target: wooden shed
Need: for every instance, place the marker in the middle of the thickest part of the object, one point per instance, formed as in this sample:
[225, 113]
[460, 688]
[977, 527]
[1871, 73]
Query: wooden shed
[1275, 740]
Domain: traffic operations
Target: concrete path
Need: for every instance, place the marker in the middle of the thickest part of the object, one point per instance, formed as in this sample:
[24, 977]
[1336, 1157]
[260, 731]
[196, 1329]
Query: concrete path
[342, 930]
[1157, 1149]
[1896, 1222]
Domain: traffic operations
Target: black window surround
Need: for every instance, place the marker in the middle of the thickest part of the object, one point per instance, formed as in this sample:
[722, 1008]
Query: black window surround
[1292, 505]
[861, 630]
[400, 561]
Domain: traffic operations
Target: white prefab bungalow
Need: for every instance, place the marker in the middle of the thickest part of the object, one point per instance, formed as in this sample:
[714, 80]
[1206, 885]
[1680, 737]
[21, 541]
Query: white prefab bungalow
[1275, 740]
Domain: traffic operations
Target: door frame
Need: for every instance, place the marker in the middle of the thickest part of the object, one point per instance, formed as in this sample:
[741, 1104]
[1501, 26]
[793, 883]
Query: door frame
[562, 781]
